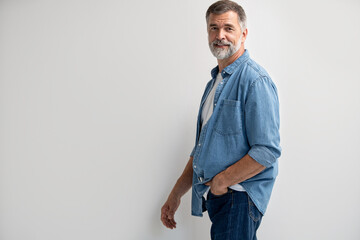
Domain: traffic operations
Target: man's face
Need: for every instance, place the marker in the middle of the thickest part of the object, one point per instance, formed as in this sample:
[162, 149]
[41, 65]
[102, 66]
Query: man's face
[224, 33]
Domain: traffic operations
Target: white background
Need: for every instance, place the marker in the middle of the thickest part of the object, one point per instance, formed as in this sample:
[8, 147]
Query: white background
[98, 107]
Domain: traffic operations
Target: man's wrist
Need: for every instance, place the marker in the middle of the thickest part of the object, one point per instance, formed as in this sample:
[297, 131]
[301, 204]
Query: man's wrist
[175, 194]
[221, 180]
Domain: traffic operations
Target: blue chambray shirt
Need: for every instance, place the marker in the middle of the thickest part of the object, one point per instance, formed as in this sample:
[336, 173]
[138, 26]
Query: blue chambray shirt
[245, 120]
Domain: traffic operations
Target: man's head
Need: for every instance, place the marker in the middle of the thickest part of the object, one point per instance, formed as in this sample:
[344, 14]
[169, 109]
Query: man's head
[226, 25]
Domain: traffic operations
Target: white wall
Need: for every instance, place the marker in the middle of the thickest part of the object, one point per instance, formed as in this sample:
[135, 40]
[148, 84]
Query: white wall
[98, 105]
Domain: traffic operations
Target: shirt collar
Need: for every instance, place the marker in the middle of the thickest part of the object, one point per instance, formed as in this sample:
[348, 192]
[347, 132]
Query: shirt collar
[231, 68]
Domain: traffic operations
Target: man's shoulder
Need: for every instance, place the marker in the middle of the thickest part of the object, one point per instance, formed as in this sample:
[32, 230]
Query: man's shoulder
[253, 71]
[257, 68]
[250, 73]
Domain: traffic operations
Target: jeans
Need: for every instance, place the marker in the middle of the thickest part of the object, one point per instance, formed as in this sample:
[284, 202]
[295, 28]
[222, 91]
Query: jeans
[233, 216]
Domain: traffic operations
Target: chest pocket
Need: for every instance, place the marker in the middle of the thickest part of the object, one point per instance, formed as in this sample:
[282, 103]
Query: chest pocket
[229, 119]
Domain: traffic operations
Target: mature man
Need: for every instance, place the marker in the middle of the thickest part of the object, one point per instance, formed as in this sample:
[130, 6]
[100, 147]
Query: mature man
[234, 160]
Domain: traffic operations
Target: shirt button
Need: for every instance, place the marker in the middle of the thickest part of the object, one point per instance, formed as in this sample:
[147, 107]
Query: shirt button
[199, 144]
[194, 166]
[201, 179]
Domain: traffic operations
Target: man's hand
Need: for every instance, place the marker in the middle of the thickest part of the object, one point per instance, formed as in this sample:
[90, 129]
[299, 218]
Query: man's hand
[217, 186]
[168, 211]
[182, 185]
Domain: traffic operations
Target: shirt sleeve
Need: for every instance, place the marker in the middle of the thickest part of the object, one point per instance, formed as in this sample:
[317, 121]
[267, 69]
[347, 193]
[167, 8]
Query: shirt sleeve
[192, 152]
[262, 122]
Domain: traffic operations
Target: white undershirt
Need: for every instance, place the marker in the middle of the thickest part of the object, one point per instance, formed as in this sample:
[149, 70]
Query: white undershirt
[206, 114]
[209, 103]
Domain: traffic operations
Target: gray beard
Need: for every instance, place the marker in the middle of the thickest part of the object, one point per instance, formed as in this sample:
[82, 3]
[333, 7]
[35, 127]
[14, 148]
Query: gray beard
[224, 53]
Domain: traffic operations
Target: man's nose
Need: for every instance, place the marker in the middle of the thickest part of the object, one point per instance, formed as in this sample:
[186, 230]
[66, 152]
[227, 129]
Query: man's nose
[220, 34]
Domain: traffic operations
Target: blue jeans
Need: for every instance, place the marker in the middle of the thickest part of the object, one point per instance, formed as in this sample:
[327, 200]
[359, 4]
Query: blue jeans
[233, 216]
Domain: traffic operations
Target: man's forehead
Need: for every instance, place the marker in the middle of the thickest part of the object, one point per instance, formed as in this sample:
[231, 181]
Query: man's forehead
[227, 18]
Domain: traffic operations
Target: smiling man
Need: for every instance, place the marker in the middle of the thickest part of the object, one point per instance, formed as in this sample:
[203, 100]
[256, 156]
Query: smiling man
[233, 165]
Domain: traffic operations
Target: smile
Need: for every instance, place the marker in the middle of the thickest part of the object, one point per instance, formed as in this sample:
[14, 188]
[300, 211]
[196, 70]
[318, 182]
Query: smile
[221, 46]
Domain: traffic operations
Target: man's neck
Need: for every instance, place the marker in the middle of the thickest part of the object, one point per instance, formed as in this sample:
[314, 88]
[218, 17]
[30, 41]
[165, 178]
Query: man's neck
[223, 63]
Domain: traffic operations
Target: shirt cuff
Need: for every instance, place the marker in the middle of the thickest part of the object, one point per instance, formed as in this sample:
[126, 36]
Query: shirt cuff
[262, 155]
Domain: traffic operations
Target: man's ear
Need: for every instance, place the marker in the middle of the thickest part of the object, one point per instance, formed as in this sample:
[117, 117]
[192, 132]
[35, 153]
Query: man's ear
[244, 35]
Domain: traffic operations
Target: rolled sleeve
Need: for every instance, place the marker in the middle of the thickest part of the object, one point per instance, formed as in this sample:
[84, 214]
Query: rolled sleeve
[262, 122]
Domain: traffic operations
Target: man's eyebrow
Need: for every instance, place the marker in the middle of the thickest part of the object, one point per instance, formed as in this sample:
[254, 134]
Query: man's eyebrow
[229, 25]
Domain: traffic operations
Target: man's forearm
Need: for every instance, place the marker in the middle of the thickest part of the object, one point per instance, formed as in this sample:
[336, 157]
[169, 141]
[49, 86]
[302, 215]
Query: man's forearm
[184, 183]
[172, 203]
[240, 171]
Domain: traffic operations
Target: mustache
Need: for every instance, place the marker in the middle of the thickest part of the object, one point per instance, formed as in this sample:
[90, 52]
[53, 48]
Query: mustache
[221, 43]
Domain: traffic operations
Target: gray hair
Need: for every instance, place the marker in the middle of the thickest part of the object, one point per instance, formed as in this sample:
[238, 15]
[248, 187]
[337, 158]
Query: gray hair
[224, 6]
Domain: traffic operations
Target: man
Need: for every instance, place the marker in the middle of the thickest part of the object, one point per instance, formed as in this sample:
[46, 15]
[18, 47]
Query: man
[234, 161]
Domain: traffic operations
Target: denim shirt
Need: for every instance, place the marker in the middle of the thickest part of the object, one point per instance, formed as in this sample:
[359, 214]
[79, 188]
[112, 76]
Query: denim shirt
[245, 120]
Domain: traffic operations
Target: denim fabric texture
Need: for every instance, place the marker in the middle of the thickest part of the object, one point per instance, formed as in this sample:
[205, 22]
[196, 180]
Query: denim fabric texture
[245, 120]
[233, 215]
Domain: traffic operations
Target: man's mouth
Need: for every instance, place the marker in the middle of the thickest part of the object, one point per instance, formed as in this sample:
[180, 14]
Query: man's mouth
[221, 45]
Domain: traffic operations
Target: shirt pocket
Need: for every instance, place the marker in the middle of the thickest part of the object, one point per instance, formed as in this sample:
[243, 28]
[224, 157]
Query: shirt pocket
[229, 119]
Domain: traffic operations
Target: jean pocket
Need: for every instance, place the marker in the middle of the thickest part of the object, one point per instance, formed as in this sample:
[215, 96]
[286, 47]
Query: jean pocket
[211, 195]
[218, 206]
[229, 119]
[254, 213]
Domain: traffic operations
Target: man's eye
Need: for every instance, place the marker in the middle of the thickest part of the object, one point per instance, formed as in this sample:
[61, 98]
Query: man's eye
[213, 28]
[229, 29]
